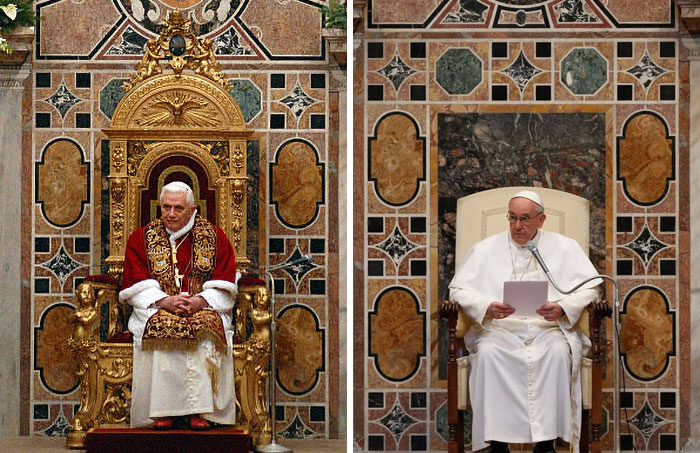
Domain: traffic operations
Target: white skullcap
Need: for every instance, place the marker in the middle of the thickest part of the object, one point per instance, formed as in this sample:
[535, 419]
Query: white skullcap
[530, 195]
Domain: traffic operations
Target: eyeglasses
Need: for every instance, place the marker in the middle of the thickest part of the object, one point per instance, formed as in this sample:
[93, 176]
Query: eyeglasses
[525, 220]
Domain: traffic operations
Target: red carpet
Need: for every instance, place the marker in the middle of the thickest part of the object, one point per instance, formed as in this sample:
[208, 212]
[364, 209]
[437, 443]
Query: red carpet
[113, 440]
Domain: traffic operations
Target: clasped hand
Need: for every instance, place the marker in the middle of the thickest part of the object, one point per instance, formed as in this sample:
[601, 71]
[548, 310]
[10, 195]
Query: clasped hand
[182, 304]
[550, 312]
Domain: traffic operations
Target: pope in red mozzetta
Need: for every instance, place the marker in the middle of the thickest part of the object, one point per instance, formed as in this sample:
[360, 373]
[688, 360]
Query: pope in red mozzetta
[180, 278]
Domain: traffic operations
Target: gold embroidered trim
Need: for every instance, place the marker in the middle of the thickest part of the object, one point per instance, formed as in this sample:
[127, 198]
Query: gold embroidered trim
[159, 251]
[165, 330]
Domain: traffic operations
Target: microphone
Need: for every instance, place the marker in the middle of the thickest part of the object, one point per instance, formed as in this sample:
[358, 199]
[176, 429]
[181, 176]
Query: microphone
[308, 258]
[532, 247]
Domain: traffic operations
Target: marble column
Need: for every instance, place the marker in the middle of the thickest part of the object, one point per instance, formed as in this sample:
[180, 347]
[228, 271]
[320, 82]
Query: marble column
[693, 443]
[11, 92]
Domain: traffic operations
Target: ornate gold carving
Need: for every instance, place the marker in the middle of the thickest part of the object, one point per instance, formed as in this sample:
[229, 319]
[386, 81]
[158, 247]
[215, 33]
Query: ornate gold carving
[238, 197]
[178, 108]
[118, 156]
[137, 150]
[118, 368]
[116, 407]
[118, 191]
[238, 158]
[197, 55]
[220, 153]
[232, 115]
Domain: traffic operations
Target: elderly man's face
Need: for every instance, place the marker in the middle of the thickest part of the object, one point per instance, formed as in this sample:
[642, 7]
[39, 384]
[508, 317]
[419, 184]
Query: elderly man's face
[175, 211]
[527, 219]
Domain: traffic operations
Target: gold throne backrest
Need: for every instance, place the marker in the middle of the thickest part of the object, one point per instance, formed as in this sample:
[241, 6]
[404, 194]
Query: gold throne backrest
[177, 117]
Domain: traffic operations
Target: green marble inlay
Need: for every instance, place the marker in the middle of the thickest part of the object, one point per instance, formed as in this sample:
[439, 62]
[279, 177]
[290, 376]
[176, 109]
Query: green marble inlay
[443, 429]
[584, 71]
[110, 95]
[248, 96]
[458, 71]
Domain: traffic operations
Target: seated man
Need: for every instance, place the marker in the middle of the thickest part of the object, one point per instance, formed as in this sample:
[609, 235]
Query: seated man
[524, 383]
[179, 275]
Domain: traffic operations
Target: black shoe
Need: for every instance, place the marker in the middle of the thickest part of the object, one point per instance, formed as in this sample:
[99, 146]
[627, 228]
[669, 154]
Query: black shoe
[498, 447]
[546, 446]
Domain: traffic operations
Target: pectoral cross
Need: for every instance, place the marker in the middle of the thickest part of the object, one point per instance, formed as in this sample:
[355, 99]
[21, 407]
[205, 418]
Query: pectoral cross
[178, 276]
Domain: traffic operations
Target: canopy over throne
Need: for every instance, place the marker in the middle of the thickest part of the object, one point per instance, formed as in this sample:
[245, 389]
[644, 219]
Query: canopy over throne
[171, 125]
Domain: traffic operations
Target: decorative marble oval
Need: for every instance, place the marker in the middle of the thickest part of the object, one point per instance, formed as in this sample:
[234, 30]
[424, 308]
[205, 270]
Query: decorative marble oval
[297, 183]
[300, 346]
[62, 182]
[54, 360]
[397, 334]
[645, 159]
[396, 159]
[647, 338]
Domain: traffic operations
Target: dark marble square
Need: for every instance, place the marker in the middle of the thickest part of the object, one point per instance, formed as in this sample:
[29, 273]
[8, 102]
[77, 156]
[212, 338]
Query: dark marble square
[626, 400]
[624, 225]
[667, 442]
[279, 413]
[626, 442]
[82, 80]
[375, 442]
[375, 50]
[543, 49]
[81, 245]
[82, 120]
[667, 224]
[43, 120]
[667, 49]
[277, 120]
[42, 285]
[375, 92]
[667, 400]
[318, 80]
[375, 268]
[276, 245]
[317, 245]
[418, 400]
[499, 49]
[667, 92]
[42, 245]
[77, 281]
[419, 442]
[279, 285]
[318, 121]
[625, 49]
[625, 92]
[417, 225]
[375, 224]
[499, 93]
[43, 80]
[418, 267]
[417, 50]
[317, 414]
[277, 80]
[543, 93]
[41, 412]
[375, 400]
[667, 267]
[418, 93]
[625, 267]
[317, 286]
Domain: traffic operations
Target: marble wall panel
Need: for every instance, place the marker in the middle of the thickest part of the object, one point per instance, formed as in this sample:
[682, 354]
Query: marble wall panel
[301, 422]
[54, 361]
[410, 11]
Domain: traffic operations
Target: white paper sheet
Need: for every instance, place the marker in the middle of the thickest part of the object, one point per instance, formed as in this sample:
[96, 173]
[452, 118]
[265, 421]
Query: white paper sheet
[525, 296]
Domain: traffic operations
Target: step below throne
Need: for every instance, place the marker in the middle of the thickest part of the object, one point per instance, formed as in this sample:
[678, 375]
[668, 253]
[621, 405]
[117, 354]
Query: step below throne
[181, 124]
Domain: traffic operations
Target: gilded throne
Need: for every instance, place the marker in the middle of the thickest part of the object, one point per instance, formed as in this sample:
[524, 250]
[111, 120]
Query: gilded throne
[171, 125]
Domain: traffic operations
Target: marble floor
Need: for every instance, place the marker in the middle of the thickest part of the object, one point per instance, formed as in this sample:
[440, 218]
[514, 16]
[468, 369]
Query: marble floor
[42, 444]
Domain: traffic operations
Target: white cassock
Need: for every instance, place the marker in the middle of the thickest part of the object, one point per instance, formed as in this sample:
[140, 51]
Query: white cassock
[168, 383]
[525, 380]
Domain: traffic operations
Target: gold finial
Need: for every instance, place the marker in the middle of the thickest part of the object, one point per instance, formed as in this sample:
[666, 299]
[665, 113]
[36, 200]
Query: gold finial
[178, 45]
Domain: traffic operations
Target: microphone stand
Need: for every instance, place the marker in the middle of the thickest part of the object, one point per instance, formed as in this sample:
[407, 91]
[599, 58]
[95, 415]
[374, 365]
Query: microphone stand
[274, 447]
[532, 247]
